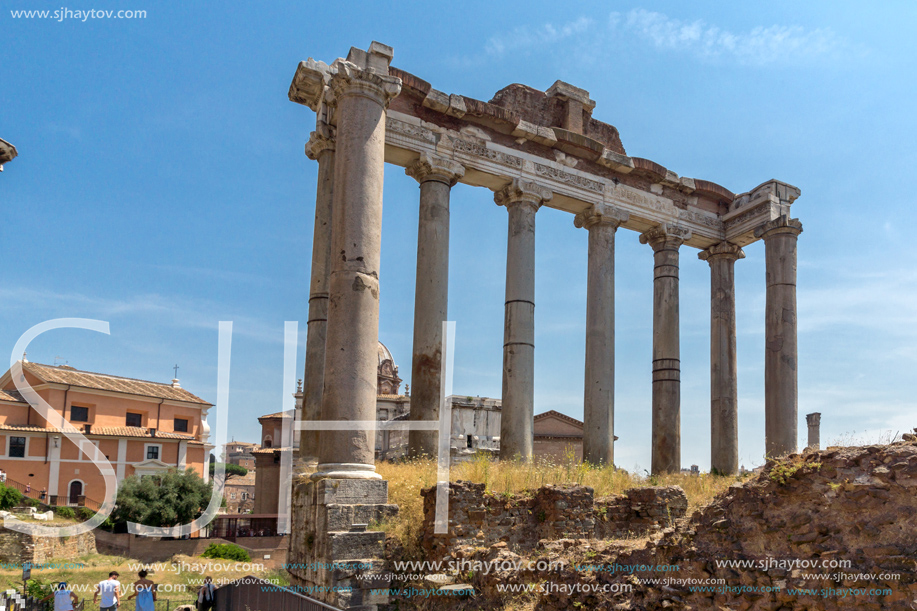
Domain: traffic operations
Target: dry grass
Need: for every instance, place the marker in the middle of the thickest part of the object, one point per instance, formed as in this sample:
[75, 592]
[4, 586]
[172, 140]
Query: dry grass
[406, 479]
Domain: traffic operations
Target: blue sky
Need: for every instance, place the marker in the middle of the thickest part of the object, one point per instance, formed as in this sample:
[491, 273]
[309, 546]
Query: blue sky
[162, 186]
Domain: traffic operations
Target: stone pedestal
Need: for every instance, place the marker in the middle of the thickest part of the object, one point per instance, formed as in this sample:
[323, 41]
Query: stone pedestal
[665, 241]
[321, 149]
[436, 176]
[522, 199]
[813, 422]
[330, 546]
[598, 403]
[780, 374]
[724, 385]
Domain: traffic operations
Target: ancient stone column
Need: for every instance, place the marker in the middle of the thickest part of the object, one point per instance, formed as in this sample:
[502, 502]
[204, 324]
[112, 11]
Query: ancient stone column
[522, 199]
[665, 241]
[319, 148]
[814, 424]
[436, 176]
[362, 90]
[780, 375]
[724, 385]
[602, 222]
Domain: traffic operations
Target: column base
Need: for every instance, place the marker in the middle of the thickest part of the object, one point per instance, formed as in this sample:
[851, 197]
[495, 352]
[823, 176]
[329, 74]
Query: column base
[344, 470]
[333, 558]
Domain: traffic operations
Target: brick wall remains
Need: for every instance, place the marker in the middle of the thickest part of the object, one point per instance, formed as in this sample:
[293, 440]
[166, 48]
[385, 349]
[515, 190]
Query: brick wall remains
[481, 519]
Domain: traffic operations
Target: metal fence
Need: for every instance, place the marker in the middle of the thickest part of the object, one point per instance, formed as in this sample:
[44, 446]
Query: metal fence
[254, 594]
[13, 601]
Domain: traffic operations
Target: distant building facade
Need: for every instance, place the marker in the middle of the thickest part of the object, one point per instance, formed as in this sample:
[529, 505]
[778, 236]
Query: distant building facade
[239, 492]
[140, 427]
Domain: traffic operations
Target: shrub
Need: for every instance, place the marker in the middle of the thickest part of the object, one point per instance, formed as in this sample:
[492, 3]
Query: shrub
[37, 588]
[9, 497]
[66, 512]
[85, 513]
[227, 551]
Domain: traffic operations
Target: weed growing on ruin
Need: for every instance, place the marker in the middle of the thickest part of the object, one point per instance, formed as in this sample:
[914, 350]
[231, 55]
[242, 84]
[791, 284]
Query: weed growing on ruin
[511, 479]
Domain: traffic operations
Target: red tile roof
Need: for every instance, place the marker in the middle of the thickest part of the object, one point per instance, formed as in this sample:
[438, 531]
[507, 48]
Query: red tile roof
[106, 431]
[100, 381]
[11, 395]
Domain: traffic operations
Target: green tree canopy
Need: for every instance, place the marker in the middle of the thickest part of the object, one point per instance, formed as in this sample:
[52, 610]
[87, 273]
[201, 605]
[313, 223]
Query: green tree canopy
[165, 499]
[231, 469]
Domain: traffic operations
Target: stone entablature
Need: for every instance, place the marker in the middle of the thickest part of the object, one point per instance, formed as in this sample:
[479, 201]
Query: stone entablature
[500, 140]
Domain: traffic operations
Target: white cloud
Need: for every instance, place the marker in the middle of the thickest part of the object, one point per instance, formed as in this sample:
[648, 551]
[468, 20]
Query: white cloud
[758, 46]
[525, 37]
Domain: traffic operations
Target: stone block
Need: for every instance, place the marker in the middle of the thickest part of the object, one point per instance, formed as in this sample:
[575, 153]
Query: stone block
[351, 492]
[356, 545]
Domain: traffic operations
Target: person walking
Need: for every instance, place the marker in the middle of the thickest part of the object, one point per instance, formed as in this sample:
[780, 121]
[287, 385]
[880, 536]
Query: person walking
[205, 595]
[145, 593]
[110, 590]
[64, 598]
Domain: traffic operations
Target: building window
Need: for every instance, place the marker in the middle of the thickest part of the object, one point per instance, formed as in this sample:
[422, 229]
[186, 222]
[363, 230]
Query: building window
[152, 452]
[17, 447]
[181, 425]
[267, 442]
[133, 419]
[79, 414]
[276, 458]
[232, 496]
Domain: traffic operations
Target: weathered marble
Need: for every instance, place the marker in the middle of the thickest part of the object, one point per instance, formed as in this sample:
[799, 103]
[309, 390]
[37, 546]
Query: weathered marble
[321, 149]
[665, 241]
[522, 200]
[598, 403]
[361, 91]
[813, 422]
[724, 419]
[780, 365]
[436, 176]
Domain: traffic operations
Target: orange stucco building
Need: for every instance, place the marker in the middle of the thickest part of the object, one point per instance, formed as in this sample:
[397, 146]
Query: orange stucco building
[140, 427]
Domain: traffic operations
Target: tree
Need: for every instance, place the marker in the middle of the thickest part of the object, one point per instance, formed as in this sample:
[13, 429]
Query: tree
[231, 469]
[9, 497]
[165, 499]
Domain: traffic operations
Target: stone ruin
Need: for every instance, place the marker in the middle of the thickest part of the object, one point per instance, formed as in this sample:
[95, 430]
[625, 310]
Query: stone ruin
[531, 148]
[478, 518]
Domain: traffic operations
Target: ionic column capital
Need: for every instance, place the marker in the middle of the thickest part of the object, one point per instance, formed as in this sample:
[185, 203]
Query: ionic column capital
[521, 191]
[321, 140]
[723, 250]
[665, 236]
[349, 79]
[780, 225]
[432, 167]
[601, 215]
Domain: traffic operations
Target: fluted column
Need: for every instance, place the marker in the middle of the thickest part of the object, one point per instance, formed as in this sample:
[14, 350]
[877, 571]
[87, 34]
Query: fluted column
[780, 375]
[724, 385]
[436, 176]
[522, 199]
[361, 93]
[602, 222]
[320, 148]
[665, 241]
